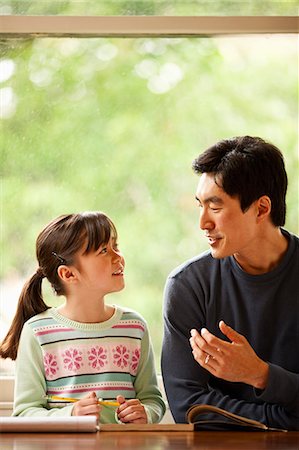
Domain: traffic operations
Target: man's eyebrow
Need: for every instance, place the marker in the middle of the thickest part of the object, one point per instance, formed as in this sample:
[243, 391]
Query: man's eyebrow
[212, 199]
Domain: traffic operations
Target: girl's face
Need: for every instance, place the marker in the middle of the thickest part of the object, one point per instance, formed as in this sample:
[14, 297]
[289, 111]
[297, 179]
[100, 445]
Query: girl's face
[102, 271]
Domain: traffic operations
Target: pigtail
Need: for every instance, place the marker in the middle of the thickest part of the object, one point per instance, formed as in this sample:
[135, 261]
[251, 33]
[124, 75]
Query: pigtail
[30, 303]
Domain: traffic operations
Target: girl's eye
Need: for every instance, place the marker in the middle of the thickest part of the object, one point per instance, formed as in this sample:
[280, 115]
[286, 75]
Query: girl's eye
[104, 250]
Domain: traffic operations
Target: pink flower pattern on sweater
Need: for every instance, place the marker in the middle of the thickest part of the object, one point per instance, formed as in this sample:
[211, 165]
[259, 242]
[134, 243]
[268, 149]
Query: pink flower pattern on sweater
[97, 357]
[121, 356]
[135, 360]
[72, 359]
[94, 359]
[50, 365]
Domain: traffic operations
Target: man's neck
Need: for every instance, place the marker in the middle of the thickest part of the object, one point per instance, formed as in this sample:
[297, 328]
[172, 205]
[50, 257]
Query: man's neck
[265, 254]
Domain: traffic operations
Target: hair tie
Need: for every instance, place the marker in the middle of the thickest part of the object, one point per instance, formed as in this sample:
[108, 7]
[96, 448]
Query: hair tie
[40, 272]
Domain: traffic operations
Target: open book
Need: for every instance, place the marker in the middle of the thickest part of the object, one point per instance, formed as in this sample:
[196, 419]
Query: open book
[198, 417]
[221, 419]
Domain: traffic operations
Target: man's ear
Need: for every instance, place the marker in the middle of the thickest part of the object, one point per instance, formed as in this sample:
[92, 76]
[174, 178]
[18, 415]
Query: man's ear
[67, 274]
[263, 207]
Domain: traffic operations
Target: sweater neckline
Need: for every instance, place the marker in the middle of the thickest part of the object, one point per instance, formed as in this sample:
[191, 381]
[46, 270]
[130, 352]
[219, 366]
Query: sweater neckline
[114, 319]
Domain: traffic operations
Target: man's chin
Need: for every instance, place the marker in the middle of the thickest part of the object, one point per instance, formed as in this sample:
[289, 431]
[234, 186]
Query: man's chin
[217, 253]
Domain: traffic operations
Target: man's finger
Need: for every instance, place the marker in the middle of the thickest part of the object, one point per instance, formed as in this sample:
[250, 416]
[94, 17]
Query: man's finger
[232, 335]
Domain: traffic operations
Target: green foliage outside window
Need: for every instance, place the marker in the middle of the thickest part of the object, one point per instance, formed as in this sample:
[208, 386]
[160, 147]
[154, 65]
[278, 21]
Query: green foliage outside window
[150, 7]
[114, 124]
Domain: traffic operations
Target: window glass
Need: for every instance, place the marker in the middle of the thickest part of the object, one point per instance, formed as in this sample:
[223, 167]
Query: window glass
[150, 7]
[113, 125]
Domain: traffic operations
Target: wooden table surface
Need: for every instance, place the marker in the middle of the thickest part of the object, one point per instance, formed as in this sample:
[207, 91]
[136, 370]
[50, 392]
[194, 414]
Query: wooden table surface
[145, 440]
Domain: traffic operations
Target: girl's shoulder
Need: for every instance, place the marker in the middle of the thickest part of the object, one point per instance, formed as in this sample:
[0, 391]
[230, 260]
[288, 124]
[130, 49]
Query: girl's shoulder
[128, 314]
[39, 322]
[45, 315]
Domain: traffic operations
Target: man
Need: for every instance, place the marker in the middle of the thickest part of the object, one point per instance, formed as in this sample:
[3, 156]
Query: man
[231, 314]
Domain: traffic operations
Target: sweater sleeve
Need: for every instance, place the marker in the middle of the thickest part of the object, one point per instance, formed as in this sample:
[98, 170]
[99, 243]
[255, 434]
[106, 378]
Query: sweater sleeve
[282, 389]
[30, 384]
[146, 384]
[187, 383]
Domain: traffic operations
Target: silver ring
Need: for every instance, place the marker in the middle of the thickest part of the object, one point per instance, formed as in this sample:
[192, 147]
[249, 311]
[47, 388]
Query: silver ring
[207, 359]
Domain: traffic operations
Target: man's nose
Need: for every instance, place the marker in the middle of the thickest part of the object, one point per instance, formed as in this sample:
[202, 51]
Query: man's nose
[205, 222]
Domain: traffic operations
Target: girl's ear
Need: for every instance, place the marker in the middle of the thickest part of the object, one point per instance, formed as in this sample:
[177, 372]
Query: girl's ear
[264, 207]
[67, 274]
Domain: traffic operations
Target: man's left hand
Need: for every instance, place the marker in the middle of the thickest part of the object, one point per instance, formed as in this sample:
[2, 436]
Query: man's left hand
[231, 361]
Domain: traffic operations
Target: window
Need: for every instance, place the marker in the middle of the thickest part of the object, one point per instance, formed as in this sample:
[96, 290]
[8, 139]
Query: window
[112, 120]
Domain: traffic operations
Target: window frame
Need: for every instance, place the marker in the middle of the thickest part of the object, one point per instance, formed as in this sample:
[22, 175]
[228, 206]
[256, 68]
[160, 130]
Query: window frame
[141, 26]
[13, 26]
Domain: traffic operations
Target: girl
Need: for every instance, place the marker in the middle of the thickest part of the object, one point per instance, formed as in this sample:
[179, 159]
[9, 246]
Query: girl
[84, 349]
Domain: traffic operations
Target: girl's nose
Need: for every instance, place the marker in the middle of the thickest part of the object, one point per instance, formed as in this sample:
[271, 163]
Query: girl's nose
[116, 254]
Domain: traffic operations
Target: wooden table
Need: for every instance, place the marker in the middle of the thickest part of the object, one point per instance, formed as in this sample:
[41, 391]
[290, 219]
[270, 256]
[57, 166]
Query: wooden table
[145, 440]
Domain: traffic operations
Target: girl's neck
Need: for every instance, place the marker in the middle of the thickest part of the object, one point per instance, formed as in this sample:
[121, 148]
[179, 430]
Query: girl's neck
[91, 313]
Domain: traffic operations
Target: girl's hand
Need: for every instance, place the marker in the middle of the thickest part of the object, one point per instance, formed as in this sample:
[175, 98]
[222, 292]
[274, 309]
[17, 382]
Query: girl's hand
[131, 411]
[87, 406]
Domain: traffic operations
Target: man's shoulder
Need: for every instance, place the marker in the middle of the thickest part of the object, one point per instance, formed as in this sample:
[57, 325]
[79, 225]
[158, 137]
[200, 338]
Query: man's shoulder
[287, 232]
[293, 247]
[292, 237]
[198, 263]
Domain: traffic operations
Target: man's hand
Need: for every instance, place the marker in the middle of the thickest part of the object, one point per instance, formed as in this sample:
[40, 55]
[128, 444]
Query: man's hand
[131, 411]
[87, 406]
[230, 361]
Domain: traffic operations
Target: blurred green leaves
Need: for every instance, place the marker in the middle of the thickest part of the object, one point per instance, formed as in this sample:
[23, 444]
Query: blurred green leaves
[149, 7]
[114, 124]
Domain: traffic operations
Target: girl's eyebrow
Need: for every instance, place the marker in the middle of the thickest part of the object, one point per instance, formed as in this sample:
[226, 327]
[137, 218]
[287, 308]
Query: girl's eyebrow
[212, 199]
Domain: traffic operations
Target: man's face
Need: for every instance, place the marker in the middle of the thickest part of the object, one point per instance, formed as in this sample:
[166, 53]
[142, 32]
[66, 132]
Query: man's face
[229, 230]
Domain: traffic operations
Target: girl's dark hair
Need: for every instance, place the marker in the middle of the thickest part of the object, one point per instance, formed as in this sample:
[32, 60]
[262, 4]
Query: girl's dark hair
[57, 244]
[248, 168]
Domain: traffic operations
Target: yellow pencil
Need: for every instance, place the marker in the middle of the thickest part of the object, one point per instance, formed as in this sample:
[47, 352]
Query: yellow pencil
[73, 400]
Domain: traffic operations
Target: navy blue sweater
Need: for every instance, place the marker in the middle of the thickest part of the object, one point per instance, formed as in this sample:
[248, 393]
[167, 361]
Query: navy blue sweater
[264, 308]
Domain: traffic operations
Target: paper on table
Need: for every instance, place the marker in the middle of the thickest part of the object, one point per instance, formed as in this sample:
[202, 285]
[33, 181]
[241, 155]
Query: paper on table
[84, 424]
